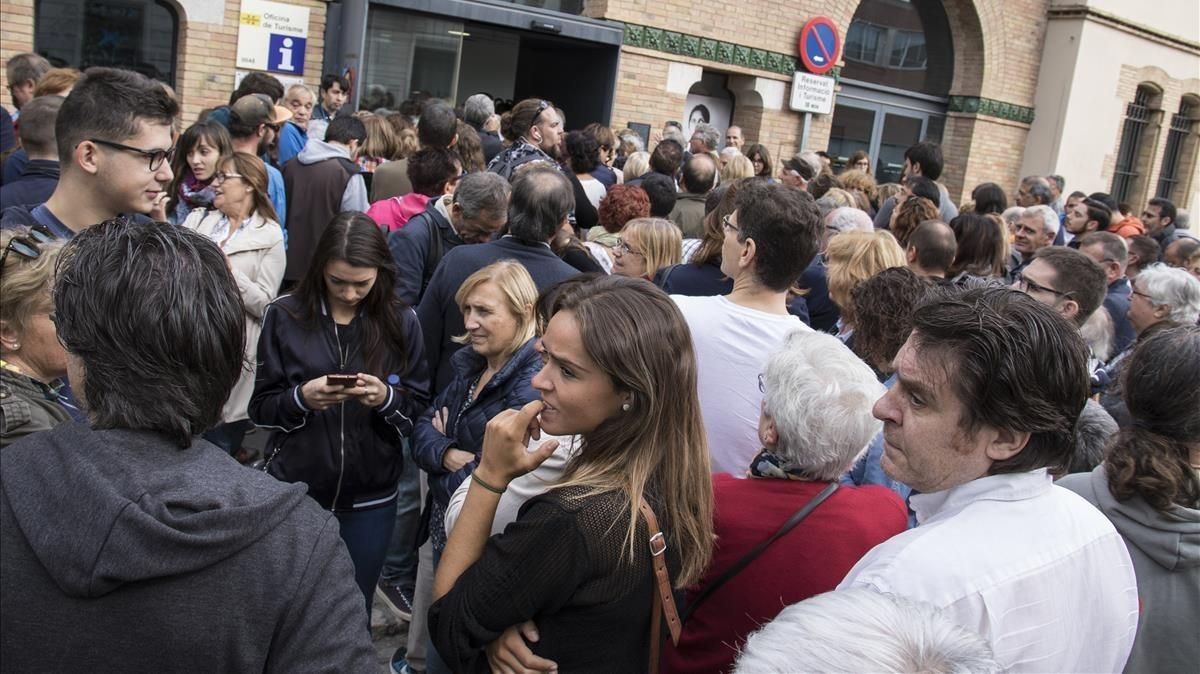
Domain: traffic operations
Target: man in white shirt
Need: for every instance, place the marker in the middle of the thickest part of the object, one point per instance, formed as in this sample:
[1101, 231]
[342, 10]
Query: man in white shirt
[769, 240]
[989, 386]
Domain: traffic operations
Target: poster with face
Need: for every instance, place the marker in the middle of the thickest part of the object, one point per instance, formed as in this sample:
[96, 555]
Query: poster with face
[715, 111]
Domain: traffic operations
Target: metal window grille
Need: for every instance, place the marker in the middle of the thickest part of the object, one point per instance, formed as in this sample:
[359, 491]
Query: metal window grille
[1181, 126]
[1137, 116]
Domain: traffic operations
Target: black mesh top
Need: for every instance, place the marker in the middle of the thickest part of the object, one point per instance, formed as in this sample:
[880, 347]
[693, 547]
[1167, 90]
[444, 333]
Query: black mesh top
[561, 565]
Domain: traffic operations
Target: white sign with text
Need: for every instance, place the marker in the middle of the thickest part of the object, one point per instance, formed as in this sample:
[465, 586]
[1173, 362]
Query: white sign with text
[812, 93]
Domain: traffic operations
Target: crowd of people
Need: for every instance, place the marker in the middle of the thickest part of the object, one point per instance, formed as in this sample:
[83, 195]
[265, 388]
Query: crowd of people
[575, 400]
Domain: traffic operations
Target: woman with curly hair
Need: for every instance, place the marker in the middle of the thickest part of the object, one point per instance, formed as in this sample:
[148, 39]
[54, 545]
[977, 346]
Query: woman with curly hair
[910, 213]
[621, 204]
[1149, 487]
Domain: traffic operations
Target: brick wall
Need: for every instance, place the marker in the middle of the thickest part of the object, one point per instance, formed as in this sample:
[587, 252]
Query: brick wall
[207, 52]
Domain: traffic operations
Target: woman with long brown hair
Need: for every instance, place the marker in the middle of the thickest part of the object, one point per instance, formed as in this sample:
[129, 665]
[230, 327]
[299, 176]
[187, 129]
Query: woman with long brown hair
[1149, 486]
[619, 371]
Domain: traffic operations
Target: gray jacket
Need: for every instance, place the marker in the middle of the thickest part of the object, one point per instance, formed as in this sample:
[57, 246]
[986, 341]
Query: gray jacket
[1165, 548]
[125, 553]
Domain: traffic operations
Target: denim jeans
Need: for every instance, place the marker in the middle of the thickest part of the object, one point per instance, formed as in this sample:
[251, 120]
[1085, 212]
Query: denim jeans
[401, 565]
[366, 534]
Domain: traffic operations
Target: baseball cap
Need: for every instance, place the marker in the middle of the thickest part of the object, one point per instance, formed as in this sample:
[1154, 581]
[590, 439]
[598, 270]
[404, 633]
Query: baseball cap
[255, 109]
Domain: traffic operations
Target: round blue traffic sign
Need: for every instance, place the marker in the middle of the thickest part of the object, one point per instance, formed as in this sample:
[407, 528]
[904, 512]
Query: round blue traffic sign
[820, 46]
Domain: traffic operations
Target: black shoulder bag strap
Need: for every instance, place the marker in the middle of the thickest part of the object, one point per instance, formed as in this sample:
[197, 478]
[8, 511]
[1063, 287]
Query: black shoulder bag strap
[742, 563]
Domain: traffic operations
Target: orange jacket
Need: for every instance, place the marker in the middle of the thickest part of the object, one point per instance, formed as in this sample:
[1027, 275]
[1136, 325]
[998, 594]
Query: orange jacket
[1129, 227]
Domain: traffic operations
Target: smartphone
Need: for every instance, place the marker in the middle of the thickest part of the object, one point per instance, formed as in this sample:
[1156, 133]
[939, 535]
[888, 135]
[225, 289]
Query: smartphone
[343, 380]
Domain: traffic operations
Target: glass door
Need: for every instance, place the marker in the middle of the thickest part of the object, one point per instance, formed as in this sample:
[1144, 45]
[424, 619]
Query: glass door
[882, 124]
[897, 133]
[410, 56]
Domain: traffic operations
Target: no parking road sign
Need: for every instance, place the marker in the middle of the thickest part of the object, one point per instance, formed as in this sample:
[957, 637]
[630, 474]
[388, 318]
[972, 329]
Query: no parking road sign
[819, 45]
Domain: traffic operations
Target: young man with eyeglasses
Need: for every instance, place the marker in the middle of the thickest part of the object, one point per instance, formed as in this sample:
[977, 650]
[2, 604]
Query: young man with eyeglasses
[115, 143]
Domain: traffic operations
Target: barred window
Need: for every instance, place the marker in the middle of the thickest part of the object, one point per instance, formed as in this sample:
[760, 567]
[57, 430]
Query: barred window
[1137, 146]
[1179, 156]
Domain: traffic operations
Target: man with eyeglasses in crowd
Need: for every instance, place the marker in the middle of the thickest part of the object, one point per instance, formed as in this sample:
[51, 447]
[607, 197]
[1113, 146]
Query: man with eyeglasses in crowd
[115, 144]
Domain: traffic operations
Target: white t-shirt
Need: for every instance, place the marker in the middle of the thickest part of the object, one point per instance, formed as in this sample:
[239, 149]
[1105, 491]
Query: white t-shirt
[732, 345]
[594, 189]
[1033, 568]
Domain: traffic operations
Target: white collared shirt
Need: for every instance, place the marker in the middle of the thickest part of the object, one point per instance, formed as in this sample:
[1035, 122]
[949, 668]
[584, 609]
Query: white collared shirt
[1033, 568]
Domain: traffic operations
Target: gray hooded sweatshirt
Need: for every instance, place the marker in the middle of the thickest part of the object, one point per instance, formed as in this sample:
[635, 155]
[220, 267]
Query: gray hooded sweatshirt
[124, 553]
[1165, 548]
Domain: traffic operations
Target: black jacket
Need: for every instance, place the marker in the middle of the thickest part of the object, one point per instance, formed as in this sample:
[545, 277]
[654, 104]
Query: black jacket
[347, 453]
[34, 186]
[706, 280]
[441, 320]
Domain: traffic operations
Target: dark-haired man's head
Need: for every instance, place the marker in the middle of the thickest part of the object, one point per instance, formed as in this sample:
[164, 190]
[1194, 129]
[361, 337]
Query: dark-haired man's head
[989, 198]
[542, 198]
[1111, 203]
[109, 112]
[1034, 191]
[120, 318]
[334, 90]
[258, 83]
[772, 236]
[37, 127]
[1065, 279]
[348, 131]
[990, 382]
[24, 71]
[1087, 215]
[1108, 250]
[438, 126]
[920, 186]
[1143, 252]
[931, 249]
[1179, 251]
[1158, 215]
[924, 159]
[661, 191]
[434, 171]
[666, 158]
[699, 174]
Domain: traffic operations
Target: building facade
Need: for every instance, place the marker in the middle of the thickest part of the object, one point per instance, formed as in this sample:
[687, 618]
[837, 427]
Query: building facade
[1093, 90]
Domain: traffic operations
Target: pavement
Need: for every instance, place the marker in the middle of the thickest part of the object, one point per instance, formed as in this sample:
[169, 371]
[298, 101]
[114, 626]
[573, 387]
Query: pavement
[387, 632]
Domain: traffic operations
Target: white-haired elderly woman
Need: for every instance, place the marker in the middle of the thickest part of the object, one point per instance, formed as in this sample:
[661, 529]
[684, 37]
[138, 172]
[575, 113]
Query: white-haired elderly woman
[860, 630]
[815, 422]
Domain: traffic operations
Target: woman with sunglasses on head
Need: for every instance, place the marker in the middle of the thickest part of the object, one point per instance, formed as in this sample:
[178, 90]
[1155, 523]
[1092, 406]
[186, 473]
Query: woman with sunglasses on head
[580, 560]
[342, 377]
[244, 224]
[198, 154]
[32, 361]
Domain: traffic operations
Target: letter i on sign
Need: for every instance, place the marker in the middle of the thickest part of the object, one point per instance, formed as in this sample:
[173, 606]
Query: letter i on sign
[285, 55]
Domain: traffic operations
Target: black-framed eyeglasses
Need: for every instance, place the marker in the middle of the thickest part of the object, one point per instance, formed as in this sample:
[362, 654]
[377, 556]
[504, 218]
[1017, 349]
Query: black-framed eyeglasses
[727, 223]
[1027, 285]
[155, 157]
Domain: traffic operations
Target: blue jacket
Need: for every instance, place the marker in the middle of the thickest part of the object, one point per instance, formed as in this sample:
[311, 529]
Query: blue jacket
[34, 186]
[1116, 301]
[706, 280]
[291, 140]
[440, 318]
[347, 451]
[823, 312]
[510, 388]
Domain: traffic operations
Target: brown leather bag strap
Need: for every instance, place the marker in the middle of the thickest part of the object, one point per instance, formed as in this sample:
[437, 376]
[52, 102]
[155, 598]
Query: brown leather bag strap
[664, 599]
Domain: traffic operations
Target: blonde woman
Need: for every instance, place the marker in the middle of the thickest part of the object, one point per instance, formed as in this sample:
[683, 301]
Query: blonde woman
[32, 361]
[620, 371]
[646, 245]
[244, 224]
[854, 257]
[737, 168]
[636, 165]
[491, 373]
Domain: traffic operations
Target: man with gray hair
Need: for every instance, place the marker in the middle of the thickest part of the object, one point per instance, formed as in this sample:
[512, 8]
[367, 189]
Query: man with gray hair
[476, 111]
[856, 630]
[1036, 228]
[705, 139]
[541, 201]
[476, 210]
[1034, 191]
[845, 219]
[23, 71]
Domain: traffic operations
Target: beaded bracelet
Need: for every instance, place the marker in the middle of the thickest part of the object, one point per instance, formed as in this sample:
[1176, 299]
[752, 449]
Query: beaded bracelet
[485, 485]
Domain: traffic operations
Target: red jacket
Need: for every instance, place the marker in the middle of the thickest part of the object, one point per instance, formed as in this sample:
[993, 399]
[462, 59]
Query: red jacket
[811, 559]
[1129, 227]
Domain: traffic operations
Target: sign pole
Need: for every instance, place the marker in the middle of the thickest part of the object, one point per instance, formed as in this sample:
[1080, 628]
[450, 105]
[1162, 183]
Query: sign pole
[804, 131]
